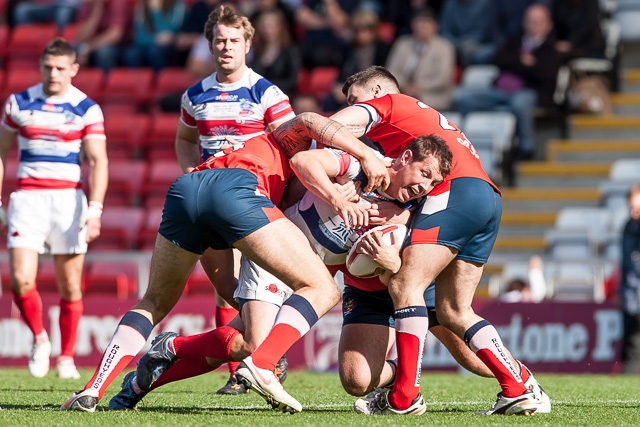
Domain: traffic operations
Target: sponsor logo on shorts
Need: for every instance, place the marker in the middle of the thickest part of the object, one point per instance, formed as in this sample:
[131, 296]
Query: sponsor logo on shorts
[347, 306]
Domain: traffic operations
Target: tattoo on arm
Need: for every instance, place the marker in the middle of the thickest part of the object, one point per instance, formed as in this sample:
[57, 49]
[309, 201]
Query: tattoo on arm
[296, 134]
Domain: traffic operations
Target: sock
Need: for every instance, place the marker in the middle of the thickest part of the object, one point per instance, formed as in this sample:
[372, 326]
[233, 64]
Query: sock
[524, 372]
[295, 318]
[30, 306]
[224, 315]
[183, 369]
[70, 315]
[128, 339]
[412, 324]
[483, 339]
[215, 344]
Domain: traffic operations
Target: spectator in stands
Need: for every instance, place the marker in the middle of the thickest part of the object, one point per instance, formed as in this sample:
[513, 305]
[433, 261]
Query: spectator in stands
[62, 12]
[275, 57]
[577, 28]
[364, 50]
[262, 6]
[630, 286]
[400, 13]
[528, 72]
[155, 25]
[191, 30]
[103, 26]
[424, 63]
[465, 23]
[325, 24]
[506, 17]
[305, 103]
[532, 290]
[55, 124]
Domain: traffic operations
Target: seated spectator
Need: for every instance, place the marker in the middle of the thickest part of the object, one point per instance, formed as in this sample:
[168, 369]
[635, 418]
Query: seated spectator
[465, 23]
[424, 63]
[61, 12]
[191, 30]
[305, 103]
[155, 25]
[401, 13]
[528, 72]
[325, 24]
[364, 50]
[506, 17]
[275, 57]
[103, 25]
[532, 290]
[577, 28]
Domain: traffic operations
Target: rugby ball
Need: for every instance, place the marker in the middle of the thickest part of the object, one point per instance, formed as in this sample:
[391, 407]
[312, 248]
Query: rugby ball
[360, 265]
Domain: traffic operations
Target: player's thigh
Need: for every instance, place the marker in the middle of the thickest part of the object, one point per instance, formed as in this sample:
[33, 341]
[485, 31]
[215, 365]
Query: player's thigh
[219, 267]
[29, 219]
[69, 275]
[23, 263]
[68, 231]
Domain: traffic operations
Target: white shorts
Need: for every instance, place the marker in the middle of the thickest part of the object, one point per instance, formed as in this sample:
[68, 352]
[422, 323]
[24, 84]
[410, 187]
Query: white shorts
[48, 221]
[255, 283]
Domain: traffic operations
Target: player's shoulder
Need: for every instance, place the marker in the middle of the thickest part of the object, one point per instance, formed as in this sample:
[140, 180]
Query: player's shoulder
[260, 85]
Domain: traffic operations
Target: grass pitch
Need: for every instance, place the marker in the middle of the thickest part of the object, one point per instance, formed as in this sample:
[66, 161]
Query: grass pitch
[453, 399]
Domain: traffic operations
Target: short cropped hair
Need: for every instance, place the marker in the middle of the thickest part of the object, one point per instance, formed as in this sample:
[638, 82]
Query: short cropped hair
[59, 47]
[224, 15]
[366, 76]
[634, 190]
[424, 146]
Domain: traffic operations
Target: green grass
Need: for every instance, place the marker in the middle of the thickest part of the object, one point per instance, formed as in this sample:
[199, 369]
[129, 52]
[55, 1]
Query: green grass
[578, 400]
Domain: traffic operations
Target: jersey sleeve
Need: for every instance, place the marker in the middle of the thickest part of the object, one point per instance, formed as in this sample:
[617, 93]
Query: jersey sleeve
[348, 166]
[187, 111]
[10, 106]
[276, 105]
[94, 123]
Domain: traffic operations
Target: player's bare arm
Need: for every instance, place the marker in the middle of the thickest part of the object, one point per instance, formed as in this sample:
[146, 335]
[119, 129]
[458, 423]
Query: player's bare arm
[296, 135]
[315, 169]
[187, 147]
[96, 152]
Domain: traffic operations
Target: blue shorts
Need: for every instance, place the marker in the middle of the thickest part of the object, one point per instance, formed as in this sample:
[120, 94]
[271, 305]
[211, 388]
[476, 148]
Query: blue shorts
[376, 307]
[214, 208]
[466, 218]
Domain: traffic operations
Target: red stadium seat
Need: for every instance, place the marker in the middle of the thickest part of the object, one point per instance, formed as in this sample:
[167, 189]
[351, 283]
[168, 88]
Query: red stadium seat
[29, 40]
[4, 37]
[91, 82]
[5, 273]
[172, 80]
[125, 85]
[321, 81]
[125, 181]
[302, 87]
[199, 283]
[118, 278]
[162, 173]
[120, 227]
[387, 32]
[126, 134]
[19, 80]
[70, 33]
[149, 229]
[161, 138]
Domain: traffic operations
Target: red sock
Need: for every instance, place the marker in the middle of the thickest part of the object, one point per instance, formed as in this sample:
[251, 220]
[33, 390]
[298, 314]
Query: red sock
[295, 318]
[483, 339]
[412, 324]
[524, 372]
[224, 315]
[215, 344]
[30, 306]
[183, 369]
[70, 315]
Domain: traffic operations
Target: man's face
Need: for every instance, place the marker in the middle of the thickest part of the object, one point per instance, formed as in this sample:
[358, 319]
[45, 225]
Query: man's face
[357, 93]
[57, 72]
[411, 179]
[229, 48]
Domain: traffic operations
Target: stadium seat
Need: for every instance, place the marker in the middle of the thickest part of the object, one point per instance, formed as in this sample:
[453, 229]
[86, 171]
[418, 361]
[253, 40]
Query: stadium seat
[578, 232]
[491, 133]
[577, 281]
[120, 227]
[91, 82]
[199, 283]
[511, 270]
[172, 80]
[149, 229]
[19, 80]
[125, 85]
[4, 38]
[479, 76]
[126, 134]
[112, 278]
[321, 80]
[29, 40]
[125, 182]
[623, 173]
[162, 173]
[302, 87]
[160, 143]
[387, 32]
[70, 33]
